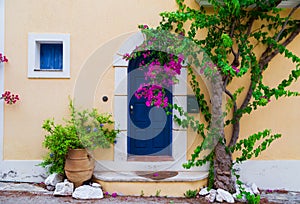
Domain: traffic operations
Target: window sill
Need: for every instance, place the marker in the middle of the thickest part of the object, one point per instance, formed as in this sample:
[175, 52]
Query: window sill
[48, 70]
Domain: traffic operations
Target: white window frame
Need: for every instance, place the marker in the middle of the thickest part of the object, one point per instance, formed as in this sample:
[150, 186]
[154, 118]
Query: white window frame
[34, 42]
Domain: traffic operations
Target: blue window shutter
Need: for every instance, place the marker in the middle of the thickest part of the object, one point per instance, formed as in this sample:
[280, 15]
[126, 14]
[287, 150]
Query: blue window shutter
[51, 56]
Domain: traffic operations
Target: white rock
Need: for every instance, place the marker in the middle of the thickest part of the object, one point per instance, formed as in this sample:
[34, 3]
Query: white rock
[237, 191]
[64, 188]
[53, 179]
[87, 192]
[235, 196]
[254, 189]
[203, 191]
[213, 191]
[211, 196]
[248, 189]
[219, 198]
[50, 188]
[237, 188]
[96, 185]
[225, 195]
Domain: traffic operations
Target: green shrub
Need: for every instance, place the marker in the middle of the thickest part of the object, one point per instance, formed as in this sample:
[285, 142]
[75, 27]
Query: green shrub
[84, 129]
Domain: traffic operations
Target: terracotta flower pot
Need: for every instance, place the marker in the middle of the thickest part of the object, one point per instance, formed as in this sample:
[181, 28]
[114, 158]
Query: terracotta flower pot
[79, 166]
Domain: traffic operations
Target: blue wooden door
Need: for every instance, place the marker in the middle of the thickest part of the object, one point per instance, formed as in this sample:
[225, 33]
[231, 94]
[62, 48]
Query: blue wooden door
[149, 128]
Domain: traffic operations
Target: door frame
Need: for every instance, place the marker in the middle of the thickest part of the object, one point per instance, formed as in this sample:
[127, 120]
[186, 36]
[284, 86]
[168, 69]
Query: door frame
[179, 134]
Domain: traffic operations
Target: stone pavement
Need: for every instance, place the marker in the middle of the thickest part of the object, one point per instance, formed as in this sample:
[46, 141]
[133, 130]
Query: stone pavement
[24, 187]
[286, 197]
[23, 193]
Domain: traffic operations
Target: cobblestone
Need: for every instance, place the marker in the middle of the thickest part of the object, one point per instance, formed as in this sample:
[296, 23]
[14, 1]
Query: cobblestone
[8, 186]
[286, 198]
[23, 193]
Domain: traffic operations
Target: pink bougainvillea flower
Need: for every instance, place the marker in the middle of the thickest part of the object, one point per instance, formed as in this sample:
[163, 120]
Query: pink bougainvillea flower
[237, 70]
[157, 75]
[269, 191]
[114, 194]
[148, 103]
[3, 58]
[126, 56]
[155, 175]
[9, 98]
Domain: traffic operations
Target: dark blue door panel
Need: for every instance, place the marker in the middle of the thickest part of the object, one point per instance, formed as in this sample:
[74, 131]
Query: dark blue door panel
[149, 128]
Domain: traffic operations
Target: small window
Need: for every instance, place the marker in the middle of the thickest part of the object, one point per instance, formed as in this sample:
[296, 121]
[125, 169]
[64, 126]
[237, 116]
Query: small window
[51, 56]
[48, 55]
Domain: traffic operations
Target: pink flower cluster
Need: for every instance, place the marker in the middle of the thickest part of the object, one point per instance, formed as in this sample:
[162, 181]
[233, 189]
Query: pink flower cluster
[154, 95]
[159, 75]
[9, 98]
[3, 58]
[164, 74]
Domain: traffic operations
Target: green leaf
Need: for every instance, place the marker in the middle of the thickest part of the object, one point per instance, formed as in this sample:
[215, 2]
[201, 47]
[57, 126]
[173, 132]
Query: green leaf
[226, 40]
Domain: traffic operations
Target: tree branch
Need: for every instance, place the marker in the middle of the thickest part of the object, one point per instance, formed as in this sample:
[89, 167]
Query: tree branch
[236, 125]
[270, 6]
[249, 93]
[267, 58]
[228, 93]
[235, 133]
[264, 60]
[235, 54]
[287, 20]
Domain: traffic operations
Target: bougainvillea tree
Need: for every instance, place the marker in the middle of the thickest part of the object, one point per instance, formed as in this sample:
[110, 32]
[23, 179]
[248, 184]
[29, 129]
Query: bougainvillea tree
[230, 39]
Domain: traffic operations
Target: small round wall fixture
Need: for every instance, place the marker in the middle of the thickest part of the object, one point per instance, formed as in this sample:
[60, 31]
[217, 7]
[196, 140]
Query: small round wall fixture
[104, 98]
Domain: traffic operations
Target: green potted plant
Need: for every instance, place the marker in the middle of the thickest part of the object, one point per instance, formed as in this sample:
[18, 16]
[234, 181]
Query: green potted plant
[68, 143]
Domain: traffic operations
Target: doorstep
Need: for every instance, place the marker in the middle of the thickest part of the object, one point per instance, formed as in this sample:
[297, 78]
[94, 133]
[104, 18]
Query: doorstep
[131, 176]
[130, 183]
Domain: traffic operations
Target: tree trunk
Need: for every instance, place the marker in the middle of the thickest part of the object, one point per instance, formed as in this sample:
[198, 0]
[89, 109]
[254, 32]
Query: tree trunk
[222, 158]
[222, 169]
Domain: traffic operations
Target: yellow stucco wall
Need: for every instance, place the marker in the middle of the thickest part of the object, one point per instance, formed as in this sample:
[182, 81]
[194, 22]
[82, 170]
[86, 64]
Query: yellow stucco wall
[91, 24]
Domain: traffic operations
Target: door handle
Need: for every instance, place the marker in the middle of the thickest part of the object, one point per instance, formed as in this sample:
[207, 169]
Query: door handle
[131, 109]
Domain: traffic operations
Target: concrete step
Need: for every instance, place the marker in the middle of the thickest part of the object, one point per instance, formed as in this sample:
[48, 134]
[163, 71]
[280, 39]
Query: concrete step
[135, 183]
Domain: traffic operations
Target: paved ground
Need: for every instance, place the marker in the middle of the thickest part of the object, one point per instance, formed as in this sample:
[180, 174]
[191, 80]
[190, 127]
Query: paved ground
[24, 193]
[282, 197]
